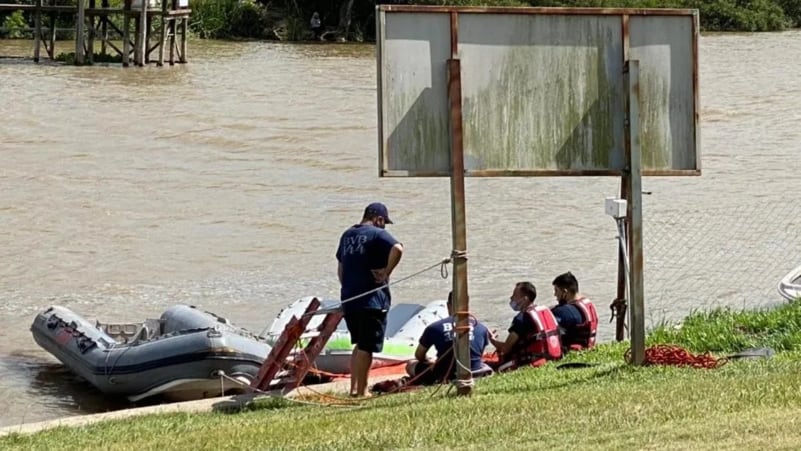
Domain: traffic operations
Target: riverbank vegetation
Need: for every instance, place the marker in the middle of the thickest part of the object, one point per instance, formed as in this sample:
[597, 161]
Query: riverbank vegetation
[744, 404]
[354, 20]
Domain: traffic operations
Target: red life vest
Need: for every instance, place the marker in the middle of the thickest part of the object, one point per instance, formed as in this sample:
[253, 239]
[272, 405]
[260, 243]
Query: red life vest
[541, 345]
[583, 335]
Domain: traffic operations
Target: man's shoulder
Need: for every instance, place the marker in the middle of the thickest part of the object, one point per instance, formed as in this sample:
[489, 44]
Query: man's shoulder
[440, 323]
[352, 229]
[478, 324]
[365, 229]
[521, 316]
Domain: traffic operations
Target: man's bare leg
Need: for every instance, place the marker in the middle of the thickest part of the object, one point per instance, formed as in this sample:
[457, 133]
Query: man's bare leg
[360, 368]
[353, 366]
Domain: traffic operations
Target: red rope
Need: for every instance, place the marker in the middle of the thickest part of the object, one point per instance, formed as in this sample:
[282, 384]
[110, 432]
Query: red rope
[677, 356]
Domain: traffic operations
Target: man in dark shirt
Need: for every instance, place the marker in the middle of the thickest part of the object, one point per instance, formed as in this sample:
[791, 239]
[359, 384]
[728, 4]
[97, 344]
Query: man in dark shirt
[522, 299]
[367, 255]
[568, 316]
[440, 334]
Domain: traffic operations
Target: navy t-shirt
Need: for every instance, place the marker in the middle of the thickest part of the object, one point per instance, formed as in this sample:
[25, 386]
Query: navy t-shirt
[567, 316]
[523, 325]
[440, 335]
[363, 248]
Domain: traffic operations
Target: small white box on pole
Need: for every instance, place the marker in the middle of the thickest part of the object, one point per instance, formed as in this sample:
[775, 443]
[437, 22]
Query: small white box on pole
[615, 207]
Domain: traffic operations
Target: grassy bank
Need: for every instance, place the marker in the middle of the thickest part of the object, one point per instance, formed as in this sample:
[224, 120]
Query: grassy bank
[745, 404]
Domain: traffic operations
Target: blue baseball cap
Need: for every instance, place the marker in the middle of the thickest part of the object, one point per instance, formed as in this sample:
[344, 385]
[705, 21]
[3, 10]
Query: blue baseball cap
[378, 209]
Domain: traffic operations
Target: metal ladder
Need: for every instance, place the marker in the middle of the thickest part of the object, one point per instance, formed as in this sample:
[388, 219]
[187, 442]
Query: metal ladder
[278, 368]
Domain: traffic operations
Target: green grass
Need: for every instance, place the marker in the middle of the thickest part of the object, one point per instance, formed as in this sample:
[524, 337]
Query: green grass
[725, 330]
[747, 404]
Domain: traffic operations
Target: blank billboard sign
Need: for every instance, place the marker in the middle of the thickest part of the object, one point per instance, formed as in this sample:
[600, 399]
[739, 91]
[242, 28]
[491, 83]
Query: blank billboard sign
[543, 89]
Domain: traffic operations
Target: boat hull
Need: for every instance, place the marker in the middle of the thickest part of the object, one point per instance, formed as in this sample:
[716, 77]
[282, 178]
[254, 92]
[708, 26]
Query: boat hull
[188, 360]
[790, 285]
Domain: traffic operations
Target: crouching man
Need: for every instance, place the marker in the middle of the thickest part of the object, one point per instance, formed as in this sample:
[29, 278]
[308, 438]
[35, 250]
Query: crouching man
[440, 335]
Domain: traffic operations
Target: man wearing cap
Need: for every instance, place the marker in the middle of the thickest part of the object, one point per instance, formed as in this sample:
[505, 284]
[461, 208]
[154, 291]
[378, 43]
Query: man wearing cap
[367, 254]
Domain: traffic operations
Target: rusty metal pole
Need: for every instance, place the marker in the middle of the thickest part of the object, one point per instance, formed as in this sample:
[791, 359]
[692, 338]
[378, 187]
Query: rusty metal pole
[460, 297]
[634, 213]
[622, 276]
[461, 302]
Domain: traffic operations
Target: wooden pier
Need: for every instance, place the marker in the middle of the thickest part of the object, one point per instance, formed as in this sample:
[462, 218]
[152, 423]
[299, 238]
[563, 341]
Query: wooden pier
[158, 25]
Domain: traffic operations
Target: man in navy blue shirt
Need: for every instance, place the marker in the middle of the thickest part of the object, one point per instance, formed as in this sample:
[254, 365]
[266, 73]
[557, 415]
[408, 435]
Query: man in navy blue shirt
[439, 334]
[367, 255]
[523, 296]
[568, 316]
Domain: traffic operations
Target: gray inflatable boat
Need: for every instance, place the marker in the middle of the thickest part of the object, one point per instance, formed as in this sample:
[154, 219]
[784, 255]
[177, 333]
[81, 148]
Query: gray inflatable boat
[180, 356]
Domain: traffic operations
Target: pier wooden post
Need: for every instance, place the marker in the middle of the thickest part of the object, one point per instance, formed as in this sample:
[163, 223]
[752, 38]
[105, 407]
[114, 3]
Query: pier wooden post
[142, 35]
[184, 26]
[172, 35]
[37, 31]
[163, 35]
[79, 33]
[52, 36]
[126, 33]
[148, 28]
[104, 28]
[91, 35]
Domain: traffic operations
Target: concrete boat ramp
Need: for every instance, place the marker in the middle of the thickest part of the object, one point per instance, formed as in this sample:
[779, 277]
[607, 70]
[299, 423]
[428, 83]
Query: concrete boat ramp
[224, 403]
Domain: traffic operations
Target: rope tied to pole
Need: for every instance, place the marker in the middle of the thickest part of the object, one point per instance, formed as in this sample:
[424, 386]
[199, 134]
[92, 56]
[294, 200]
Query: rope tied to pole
[455, 255]
[463, 383]
[618, 306]
[443, 269]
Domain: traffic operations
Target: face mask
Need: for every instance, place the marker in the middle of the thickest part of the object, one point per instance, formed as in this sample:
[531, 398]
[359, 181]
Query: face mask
[514, 305]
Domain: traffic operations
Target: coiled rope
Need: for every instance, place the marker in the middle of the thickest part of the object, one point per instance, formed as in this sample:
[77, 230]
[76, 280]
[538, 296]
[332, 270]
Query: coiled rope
[672, 355]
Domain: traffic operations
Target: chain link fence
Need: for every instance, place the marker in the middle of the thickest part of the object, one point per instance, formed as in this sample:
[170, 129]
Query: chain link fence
[719, 257]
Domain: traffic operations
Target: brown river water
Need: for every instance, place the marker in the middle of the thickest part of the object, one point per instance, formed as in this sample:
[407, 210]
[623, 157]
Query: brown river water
[225, 183]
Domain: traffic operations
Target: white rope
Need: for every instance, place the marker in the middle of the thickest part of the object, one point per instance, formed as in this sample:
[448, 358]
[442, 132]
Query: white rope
[464, 383]
[623, 239]
[461, 383]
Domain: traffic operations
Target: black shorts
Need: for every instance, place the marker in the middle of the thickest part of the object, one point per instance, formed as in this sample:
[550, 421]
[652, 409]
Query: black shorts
[367, 328]
[426, 373]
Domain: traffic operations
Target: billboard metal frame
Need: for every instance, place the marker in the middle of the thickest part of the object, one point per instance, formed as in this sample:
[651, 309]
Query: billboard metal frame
[631, 174]
[454, 11]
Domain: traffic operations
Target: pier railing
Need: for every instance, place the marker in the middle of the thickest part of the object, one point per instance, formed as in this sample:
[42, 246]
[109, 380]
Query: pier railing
[130, 31]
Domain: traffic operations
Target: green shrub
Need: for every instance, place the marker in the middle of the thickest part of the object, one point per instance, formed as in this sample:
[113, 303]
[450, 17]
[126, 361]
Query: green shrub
[14, 26]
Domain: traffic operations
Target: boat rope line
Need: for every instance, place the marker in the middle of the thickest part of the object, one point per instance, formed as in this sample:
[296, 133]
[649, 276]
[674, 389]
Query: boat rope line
[443, 271]
[273, 395]
[406, 381]
[109, 372]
